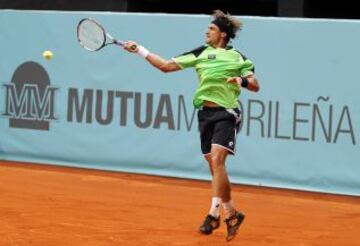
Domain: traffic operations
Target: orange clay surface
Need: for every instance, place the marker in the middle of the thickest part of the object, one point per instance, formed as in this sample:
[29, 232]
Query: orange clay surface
[47, 205]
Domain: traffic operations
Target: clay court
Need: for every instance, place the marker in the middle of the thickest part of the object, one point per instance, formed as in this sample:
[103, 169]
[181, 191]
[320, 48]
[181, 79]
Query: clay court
[48, 205]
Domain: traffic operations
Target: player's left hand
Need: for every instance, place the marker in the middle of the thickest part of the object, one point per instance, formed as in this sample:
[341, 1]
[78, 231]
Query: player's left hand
[234, 80]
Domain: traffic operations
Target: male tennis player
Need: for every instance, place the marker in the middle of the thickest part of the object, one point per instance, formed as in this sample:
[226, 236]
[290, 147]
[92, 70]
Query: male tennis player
[222, 71]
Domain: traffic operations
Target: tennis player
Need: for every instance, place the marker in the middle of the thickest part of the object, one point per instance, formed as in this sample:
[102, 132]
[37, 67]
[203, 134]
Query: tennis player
[223, 72]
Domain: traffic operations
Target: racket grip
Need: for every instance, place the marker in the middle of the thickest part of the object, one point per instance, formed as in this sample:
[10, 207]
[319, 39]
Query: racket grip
[121, 43]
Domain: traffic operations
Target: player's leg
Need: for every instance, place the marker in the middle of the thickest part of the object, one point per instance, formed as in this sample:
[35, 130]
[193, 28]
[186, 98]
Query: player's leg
[208, 159]
[224, 139]
[220, 181]
[216, 200]
[206, 126]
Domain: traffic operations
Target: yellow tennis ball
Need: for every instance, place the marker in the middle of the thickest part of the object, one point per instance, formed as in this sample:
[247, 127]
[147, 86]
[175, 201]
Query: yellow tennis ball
[47, 54]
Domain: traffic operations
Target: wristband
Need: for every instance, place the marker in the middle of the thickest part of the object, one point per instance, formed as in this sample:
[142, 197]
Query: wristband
[244, 82]
[143, 51]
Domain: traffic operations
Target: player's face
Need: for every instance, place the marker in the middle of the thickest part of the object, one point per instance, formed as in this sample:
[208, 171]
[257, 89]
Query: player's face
[213, 34]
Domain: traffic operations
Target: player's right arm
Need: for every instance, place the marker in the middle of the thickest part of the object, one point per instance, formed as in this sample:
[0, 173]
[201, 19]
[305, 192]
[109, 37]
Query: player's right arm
[155, 60]
[162, 64]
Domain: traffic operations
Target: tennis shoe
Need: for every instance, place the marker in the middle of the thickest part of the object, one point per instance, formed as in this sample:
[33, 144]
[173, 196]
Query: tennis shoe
[233, 223]
[210, 223]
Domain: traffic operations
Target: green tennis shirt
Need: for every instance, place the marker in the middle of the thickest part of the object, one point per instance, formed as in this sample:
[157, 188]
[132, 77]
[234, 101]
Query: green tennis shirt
[214, 66]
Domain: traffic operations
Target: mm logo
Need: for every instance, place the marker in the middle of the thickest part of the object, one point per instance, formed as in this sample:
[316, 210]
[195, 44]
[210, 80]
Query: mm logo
[29, 100]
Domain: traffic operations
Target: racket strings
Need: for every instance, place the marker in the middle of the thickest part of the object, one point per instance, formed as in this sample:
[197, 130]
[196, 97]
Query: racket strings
[91, 35]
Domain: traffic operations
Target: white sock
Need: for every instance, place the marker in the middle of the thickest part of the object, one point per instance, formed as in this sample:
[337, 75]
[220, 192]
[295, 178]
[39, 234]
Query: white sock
[215, 207]
[229, 209]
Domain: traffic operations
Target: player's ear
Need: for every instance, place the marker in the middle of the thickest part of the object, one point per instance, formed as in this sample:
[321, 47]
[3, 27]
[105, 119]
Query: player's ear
[223, 34]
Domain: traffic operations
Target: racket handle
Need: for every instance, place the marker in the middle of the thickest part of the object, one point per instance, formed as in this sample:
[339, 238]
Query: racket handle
[117, 42]
[121, 43]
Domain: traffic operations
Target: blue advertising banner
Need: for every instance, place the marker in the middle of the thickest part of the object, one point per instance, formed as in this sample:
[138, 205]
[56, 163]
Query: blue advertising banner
[111, 110]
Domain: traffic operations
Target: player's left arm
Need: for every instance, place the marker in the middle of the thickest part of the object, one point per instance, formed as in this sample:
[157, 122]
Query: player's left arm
[246, 78]
[253, 83]
[249, 82]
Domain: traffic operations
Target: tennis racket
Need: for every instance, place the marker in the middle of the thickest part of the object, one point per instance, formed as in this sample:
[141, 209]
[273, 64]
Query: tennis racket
[93, 37]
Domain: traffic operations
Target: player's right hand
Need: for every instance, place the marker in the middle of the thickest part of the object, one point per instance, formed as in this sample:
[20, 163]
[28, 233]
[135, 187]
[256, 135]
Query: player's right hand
[131, 46]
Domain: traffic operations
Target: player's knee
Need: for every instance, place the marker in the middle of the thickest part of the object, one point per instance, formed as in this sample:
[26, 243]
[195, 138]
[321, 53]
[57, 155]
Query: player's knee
[208, 158]
[217, 160]
[218, 155]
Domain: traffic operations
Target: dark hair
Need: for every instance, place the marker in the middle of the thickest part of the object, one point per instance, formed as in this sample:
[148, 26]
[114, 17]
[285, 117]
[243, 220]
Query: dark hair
[226, 23]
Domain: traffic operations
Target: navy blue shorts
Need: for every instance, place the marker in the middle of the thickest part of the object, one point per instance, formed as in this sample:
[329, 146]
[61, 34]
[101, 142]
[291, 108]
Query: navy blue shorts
[218, 126]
